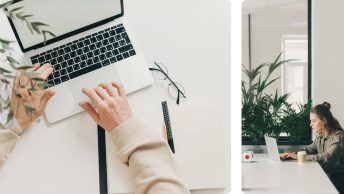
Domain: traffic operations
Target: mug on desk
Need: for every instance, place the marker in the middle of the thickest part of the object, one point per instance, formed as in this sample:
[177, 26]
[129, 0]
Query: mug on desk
[247, 156]
[301, 156]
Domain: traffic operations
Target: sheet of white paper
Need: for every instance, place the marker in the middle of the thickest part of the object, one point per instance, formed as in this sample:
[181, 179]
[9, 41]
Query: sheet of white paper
[199, 140]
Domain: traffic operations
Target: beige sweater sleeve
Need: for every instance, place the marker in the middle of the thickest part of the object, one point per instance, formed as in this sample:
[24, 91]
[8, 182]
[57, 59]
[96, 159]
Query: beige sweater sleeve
[8, 139]
[149, 157]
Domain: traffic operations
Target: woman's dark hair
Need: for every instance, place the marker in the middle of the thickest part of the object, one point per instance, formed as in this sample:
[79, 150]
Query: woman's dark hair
[325, 115]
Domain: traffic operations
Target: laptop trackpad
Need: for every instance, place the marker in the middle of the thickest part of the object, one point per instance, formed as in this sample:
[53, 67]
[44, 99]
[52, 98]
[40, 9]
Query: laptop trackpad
[92, 80]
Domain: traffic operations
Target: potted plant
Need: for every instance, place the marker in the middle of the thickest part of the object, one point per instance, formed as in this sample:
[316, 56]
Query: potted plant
[268, 114]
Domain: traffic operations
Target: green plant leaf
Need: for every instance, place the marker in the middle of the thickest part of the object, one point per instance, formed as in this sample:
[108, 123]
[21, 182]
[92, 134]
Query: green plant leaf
[18, 94]
[5, 42]
[38, 79]
[5, 5]
[24, 67]
[9, 76]
[9, 116]
[13, 66]
[278, 58]
[11, 60]
[2, 70]
[29, 110]
[19, 15]
[36, 25]
[43, 85]
[254, 72]
[269, 83]
[5, 81]
[24, 17]
[45, 33]
[15, 9]
[28, 24]
[30, 74]
[29, 91]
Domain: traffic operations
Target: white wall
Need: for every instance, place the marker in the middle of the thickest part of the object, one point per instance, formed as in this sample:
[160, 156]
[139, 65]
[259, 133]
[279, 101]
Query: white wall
[328, 49]
[267, 28]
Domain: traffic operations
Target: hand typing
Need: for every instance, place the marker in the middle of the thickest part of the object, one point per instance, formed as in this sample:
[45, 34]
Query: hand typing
[111, 105]
[26, 94]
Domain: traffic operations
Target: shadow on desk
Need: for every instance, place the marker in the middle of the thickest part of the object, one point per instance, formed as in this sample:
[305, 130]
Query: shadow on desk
[255, 189]
[208, 191]
[261, 149]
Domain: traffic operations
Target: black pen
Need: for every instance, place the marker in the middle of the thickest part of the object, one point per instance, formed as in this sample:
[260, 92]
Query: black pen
[168, 125]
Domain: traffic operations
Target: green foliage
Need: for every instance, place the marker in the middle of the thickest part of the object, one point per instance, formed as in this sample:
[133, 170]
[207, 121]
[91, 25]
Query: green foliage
[33, 26]
[9, 66]
[8, 78]
[5, 44]
[267, 114]
[295, 123]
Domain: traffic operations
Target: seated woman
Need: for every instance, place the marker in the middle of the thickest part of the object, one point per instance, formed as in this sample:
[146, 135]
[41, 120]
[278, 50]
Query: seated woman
[328, 147]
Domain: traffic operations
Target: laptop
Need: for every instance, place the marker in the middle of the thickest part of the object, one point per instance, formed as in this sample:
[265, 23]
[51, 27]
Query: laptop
[93, 44]
[271, 146]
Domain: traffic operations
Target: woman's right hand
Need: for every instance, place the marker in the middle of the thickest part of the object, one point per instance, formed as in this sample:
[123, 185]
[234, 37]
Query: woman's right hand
[111, 105]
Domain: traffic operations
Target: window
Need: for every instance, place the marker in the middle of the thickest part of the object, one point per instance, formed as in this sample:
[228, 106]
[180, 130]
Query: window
[295, 73]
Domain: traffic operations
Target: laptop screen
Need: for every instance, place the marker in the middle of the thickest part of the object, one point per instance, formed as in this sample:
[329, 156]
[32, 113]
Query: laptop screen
[64, 17]
[272, 148]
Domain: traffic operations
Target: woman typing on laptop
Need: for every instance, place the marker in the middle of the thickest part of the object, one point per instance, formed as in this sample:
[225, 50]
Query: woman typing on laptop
[147, 154]
[328, 147]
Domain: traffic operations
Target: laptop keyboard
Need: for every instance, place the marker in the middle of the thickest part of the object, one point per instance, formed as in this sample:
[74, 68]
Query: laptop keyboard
[86, 54]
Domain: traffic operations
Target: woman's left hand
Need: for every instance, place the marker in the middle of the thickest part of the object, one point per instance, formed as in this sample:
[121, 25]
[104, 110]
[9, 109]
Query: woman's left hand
[25, 99]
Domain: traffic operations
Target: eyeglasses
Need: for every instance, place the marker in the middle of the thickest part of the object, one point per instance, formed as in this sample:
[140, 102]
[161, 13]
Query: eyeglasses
[175, 89]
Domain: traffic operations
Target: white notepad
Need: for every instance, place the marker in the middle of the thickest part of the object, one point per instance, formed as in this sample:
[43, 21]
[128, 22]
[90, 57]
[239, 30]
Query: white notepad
[200, 149]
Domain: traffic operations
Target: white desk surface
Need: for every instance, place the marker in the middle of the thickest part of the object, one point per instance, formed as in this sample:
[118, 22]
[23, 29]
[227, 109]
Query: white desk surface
[270, 177]
[191, 38]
